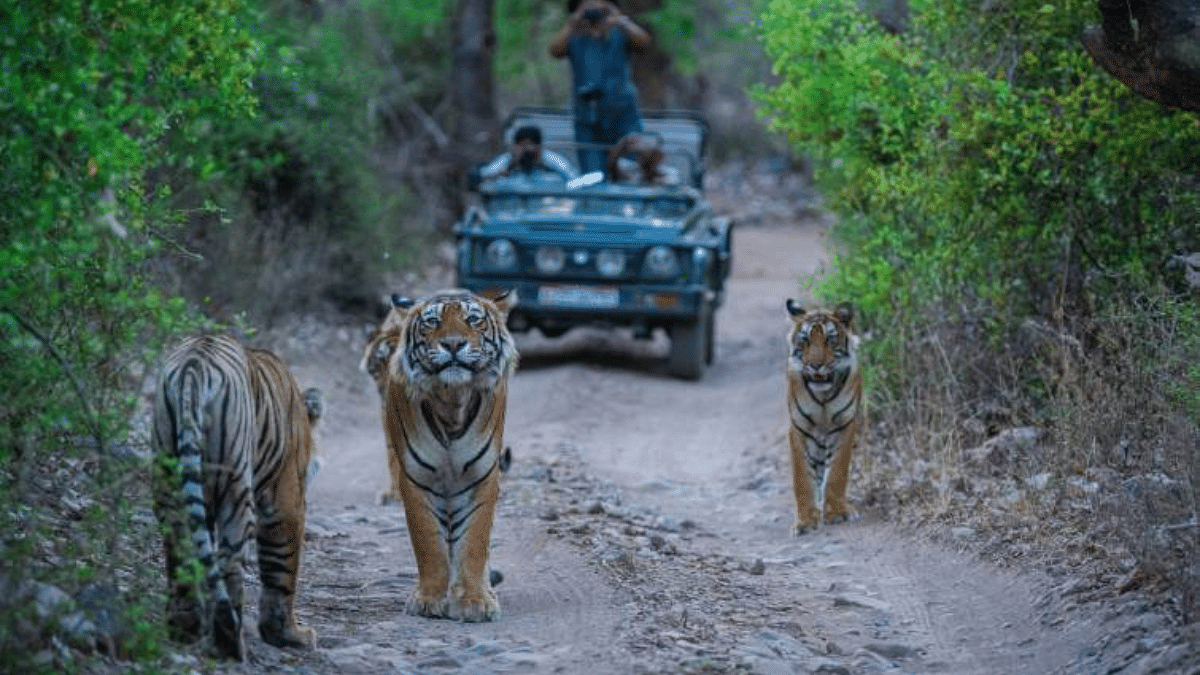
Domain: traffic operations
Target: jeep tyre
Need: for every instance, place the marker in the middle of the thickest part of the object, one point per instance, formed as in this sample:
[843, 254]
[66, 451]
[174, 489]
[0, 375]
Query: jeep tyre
[689, 347]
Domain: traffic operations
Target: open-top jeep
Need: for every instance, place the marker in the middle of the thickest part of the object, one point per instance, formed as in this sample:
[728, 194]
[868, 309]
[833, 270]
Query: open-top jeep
[591, 250]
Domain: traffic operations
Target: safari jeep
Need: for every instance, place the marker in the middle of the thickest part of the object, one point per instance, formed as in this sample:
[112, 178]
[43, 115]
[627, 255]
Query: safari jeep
[595, 251]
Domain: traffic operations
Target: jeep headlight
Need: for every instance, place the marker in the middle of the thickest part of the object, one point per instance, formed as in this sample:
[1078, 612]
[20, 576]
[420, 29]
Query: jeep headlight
[661, 263]
[610, 262]
[500, 256]
[550, 259]
[701, 262]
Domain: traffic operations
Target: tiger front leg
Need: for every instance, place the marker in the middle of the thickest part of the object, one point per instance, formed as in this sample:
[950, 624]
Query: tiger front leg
[471, 595]
[807, 515]
[280, 545]
[431, 552]
[837, 510]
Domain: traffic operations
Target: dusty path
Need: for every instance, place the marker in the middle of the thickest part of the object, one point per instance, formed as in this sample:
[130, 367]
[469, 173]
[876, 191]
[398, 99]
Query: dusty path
[644, 528]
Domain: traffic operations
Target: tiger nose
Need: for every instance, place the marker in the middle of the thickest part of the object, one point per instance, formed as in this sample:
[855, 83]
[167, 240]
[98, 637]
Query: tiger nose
[452, 343]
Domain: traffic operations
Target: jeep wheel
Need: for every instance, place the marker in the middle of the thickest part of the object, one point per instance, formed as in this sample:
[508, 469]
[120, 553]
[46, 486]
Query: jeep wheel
[710, 341]
[689, 347]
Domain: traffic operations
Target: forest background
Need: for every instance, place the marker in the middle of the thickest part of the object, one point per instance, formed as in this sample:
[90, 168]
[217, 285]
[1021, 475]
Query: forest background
[1014, 228]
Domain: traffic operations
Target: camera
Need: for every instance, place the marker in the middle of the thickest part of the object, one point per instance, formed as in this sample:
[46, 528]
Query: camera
[589, 96]
[527, 161]
[595, 15]
[591, 92]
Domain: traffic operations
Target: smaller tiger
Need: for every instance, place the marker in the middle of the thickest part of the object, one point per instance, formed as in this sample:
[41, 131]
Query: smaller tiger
[826, 410]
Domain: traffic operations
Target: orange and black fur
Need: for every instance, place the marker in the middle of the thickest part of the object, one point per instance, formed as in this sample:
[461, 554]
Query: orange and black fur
[381, 344]
[233, 441]
[826, 410]
[447, 390]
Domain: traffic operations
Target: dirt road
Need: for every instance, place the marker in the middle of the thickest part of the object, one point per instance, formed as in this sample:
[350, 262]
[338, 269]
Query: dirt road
[644, 528]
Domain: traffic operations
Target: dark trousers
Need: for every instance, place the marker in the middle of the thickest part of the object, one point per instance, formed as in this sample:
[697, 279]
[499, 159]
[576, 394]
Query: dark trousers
[602, 125]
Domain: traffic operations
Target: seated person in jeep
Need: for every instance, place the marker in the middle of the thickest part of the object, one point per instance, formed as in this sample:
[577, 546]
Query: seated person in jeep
[526, 158]
[637, 158]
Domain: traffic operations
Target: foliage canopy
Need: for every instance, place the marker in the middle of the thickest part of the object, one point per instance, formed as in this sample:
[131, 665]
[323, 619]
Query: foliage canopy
[95, 95]
[986, 168]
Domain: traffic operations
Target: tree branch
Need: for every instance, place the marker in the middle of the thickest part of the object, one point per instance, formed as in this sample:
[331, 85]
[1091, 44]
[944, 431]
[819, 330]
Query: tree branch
[80, 392]
[1151, 46]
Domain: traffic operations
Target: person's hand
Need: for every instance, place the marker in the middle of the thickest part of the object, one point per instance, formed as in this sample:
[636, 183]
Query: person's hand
[575, 19]
[614, 17]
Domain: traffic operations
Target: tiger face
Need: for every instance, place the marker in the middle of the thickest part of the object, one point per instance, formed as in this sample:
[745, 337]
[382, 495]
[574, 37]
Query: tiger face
[822, 349]
[454, 339]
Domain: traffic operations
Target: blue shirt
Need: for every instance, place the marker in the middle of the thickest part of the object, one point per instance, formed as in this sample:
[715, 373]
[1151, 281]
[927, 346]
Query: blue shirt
[603, 64]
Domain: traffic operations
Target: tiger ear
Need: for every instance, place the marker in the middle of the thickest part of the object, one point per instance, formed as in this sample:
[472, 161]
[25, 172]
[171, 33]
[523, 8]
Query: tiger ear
[795, 309]
[844, 313]
[505, 301]
[401, 302]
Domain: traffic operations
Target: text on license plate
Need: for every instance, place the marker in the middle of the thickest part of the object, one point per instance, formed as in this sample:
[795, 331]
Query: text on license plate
[578, 296]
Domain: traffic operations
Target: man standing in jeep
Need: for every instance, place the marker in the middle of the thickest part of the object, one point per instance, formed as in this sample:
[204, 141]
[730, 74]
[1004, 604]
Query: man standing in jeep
[597, 40]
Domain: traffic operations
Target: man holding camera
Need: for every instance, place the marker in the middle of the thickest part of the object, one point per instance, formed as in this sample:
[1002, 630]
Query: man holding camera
[527, 158]
[597, 40]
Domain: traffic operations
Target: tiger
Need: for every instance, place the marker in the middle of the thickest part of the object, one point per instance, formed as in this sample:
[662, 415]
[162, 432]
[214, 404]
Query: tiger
[826, 409]
[447, 392]
[233, 440]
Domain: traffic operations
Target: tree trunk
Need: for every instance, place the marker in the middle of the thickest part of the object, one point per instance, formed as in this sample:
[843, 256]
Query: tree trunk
[472, 89]
[1153, 46]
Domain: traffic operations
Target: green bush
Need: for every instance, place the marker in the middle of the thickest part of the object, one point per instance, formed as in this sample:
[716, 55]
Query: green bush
[987, 170]
[95, 93]
[306, 210]
[1009, 218]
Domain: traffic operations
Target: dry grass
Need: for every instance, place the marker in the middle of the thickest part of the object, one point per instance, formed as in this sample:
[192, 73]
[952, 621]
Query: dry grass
[1077, 451]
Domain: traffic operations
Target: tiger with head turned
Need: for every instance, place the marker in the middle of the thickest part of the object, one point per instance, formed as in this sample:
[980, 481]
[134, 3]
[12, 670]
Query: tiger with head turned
[446, 394]
[826, 409]
[233, 439]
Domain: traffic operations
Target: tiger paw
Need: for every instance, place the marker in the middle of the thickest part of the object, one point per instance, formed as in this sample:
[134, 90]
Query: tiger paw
[289, 637]
[842, 516]
[474, 605]
[486, 608]
[434, 608]
[802, 528]
[228, 641]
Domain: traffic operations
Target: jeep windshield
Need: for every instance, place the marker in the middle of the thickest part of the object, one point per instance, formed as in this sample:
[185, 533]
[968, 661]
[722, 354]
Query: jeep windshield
[642, 204]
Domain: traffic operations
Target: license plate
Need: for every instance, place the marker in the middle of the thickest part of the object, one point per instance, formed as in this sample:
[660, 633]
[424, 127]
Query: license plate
[579, 296]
